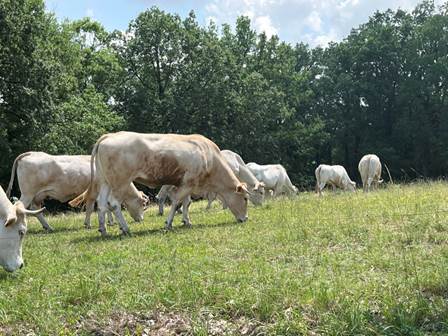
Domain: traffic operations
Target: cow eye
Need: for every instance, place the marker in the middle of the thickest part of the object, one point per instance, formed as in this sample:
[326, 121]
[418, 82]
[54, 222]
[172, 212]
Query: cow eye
[21, 233]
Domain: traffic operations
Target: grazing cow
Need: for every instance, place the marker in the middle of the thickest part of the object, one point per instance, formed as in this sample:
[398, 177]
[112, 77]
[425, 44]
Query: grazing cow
[59, 177]
[192, 163]
[274, 177]
[370, 170]
[336, 176]
[236, 163]
[12, 230]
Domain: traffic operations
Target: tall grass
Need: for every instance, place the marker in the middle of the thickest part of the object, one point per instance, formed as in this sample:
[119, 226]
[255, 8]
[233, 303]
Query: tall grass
[342, 264]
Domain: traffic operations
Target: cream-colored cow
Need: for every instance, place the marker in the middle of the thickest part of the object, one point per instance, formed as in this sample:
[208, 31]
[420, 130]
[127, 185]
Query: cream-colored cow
[336, 176]
[274, 177]
[370, 170]
[236, 163]
[12, 231]
[59, 177]
[192, 163]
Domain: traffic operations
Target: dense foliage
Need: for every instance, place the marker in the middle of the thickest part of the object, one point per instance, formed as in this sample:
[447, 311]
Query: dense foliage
[382, 89]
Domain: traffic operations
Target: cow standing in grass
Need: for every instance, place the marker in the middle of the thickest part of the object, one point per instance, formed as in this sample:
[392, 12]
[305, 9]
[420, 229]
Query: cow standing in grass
[336, 176]
[274, 177]
[192, 163]
[59, 177]
[12, 231]
[236, 163]
[370, 170]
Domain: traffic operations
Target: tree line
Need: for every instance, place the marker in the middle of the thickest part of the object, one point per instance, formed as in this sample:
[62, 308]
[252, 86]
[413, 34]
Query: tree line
[380, 90]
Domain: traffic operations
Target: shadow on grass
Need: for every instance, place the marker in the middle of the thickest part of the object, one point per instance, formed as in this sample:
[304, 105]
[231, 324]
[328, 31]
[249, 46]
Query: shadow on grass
[42, 231]
[149, 232]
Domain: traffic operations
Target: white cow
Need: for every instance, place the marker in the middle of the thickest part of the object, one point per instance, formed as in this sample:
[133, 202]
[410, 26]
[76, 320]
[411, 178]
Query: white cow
[274, 177]
[236, 163]
[370, 170]
[59, 177]
[12, 231]
[336, 176]
[190, 162]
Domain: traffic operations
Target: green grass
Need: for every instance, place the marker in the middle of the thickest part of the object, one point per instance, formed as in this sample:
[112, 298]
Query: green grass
[343, 264]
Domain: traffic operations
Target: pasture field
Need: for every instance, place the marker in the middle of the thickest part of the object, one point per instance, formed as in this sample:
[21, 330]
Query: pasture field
[343, 264]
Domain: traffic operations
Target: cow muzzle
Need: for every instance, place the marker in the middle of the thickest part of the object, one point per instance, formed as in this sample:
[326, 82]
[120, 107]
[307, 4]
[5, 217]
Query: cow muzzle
[242, 220]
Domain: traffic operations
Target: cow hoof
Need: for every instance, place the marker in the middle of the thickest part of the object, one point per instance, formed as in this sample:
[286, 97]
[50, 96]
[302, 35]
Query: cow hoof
[49, 229]
[168, 227]
[103, 233]
[87, 227]
[186, 224]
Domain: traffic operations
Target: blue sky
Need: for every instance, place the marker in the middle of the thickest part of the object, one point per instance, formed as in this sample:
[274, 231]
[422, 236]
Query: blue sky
[315, 22]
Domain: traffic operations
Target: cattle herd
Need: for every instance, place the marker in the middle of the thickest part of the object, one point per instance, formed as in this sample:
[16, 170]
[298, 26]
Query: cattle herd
[184, 166]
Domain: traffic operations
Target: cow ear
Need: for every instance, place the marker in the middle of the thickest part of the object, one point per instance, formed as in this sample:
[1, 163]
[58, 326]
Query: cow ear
[242, 188]
[11, 220]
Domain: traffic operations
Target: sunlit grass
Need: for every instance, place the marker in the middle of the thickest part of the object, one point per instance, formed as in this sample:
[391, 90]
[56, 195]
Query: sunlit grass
[342, 264]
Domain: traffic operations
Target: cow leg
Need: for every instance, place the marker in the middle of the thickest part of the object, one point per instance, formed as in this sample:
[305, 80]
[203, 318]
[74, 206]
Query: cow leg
[161, 202]
[116, 206]
[110, 218]
[176, 198]
[102, 208]
[185, 215]
[211, 196]
[320, 187]
[41, 218]
[89, 209]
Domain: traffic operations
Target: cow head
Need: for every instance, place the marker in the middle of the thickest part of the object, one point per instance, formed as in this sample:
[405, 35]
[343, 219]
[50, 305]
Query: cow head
[12, 233]
[136, 206]
[236, 200]
[256, 196]
[351, 186]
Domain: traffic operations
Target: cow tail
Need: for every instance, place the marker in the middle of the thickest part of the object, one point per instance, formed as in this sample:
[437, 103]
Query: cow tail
[369, 179]
[318, 178]
[81, 199]
[13, 172]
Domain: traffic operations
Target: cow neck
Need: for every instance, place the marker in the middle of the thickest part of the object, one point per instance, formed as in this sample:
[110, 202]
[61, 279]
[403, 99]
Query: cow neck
[225, 174]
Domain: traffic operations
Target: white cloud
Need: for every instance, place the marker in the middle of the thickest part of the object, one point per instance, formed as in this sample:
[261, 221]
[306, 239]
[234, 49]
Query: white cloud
[313, 21]
[264, 24]
[316, 22]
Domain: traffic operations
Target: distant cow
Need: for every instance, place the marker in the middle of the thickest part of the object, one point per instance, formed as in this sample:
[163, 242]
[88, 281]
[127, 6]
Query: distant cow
[370, 170]
[12, 231]
[336, 176]
[236, 163]
[192, 163]
[59, 177]
[274, 177]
